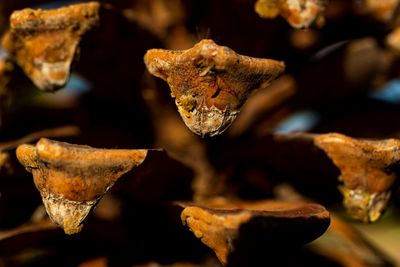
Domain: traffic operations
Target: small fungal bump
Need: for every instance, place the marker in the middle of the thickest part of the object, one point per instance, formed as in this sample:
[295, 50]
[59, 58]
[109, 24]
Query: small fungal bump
[73, 178]
[210, 83]
[298, 13]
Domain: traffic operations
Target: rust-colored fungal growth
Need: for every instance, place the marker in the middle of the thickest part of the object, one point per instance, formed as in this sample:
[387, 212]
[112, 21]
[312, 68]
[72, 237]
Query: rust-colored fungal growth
[219, 222]
[367, 172]
[44, 42]
[73, 178]
[298, 13]
[210, 83]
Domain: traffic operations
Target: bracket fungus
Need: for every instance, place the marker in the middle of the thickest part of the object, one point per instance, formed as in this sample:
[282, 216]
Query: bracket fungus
[44, 42]
[73, 178]
[223, 224]
[210, 83]
[298, 13]
[368, 172]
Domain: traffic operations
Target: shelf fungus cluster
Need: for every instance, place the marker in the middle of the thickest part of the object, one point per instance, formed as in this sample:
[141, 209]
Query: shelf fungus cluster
[198, 200]
[223, 224]
[210, 83]
[73, 178]
[44, 42]
[368, 172]
[298, 13]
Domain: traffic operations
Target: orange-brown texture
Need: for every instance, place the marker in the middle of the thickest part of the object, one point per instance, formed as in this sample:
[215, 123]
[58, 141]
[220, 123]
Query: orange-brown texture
[383, 10]
[368, 172]
[44, 42]
[73, 178]
[217, 222]
[210, 83]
